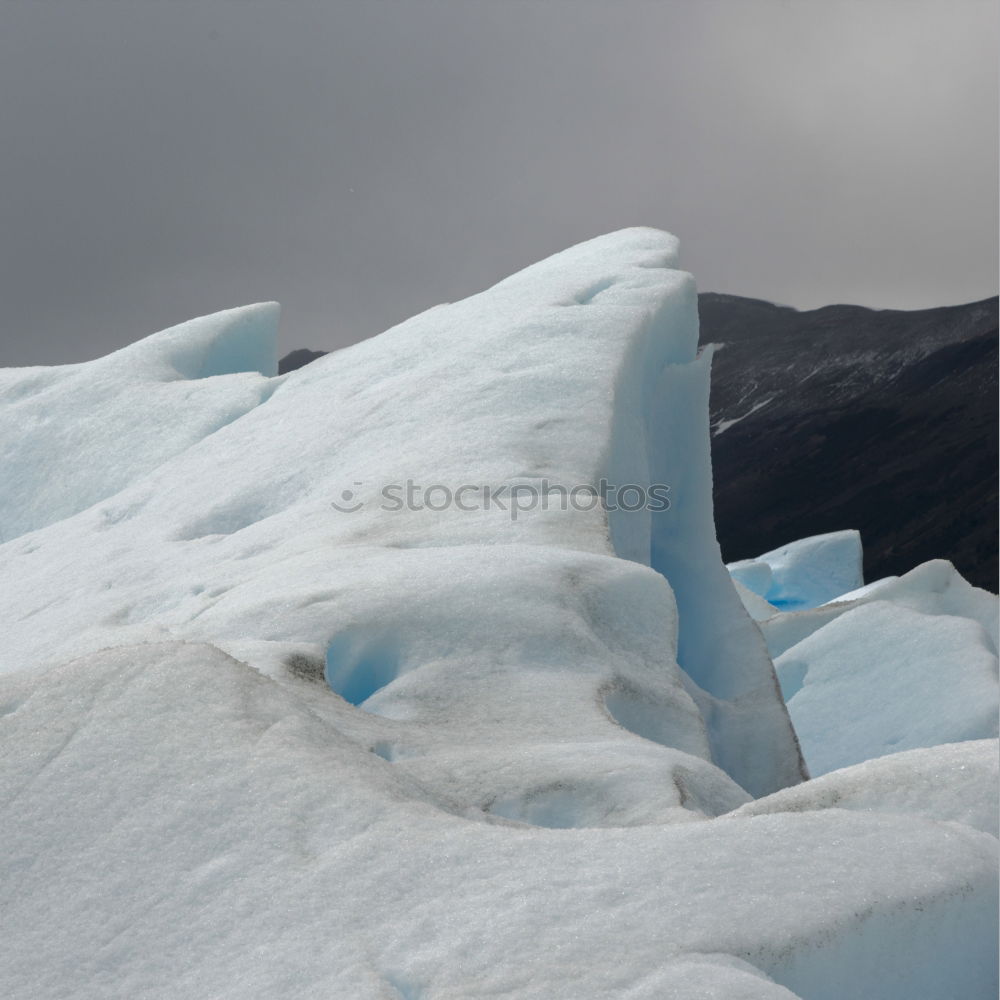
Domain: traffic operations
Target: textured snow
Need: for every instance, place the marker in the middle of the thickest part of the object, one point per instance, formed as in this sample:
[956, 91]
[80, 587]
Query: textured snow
[958, 782]
[176, 824]
[263, 737]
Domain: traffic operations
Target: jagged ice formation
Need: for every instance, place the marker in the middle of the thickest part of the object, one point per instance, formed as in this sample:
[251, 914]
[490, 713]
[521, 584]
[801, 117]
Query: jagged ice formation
[535, 773]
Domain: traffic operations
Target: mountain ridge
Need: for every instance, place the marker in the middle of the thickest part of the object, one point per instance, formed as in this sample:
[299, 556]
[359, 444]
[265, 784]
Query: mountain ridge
[849, 417]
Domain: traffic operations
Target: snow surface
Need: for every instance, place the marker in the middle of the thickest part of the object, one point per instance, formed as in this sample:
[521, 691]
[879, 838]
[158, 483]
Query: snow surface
[549, 379]
[533, 774]
[177, 824]
[958, 782]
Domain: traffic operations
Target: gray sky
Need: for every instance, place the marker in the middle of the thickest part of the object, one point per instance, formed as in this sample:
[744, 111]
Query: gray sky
[361, 161]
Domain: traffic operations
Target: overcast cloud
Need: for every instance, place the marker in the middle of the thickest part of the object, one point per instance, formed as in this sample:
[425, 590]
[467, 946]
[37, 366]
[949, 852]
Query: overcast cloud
[362, 161]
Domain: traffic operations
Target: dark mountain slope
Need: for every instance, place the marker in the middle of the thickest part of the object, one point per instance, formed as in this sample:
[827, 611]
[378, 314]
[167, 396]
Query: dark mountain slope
[297, 359]
[845, 417]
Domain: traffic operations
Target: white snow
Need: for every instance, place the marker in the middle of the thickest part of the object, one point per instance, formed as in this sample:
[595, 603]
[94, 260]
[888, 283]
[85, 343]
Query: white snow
[178, 825]
[723, 425]
[532, 777]
[958, 782]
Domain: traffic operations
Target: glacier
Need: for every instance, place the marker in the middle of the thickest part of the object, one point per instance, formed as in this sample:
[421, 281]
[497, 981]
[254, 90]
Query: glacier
[266, 734]
[805, 573]
[897, 664]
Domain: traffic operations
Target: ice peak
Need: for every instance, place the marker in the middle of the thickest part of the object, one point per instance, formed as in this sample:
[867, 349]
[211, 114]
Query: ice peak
[244, 339]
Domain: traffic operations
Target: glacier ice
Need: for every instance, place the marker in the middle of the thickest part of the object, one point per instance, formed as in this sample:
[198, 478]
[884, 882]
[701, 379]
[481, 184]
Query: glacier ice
[932, 588]
[881, 678]
[804, 573]
[896, 664]
[265, 737]
[177, 824]
[73, 435]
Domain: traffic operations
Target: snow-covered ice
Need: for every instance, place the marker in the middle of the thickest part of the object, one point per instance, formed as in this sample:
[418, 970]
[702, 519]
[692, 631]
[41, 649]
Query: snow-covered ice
[535, 773]
[178, 825]
[953, 781]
